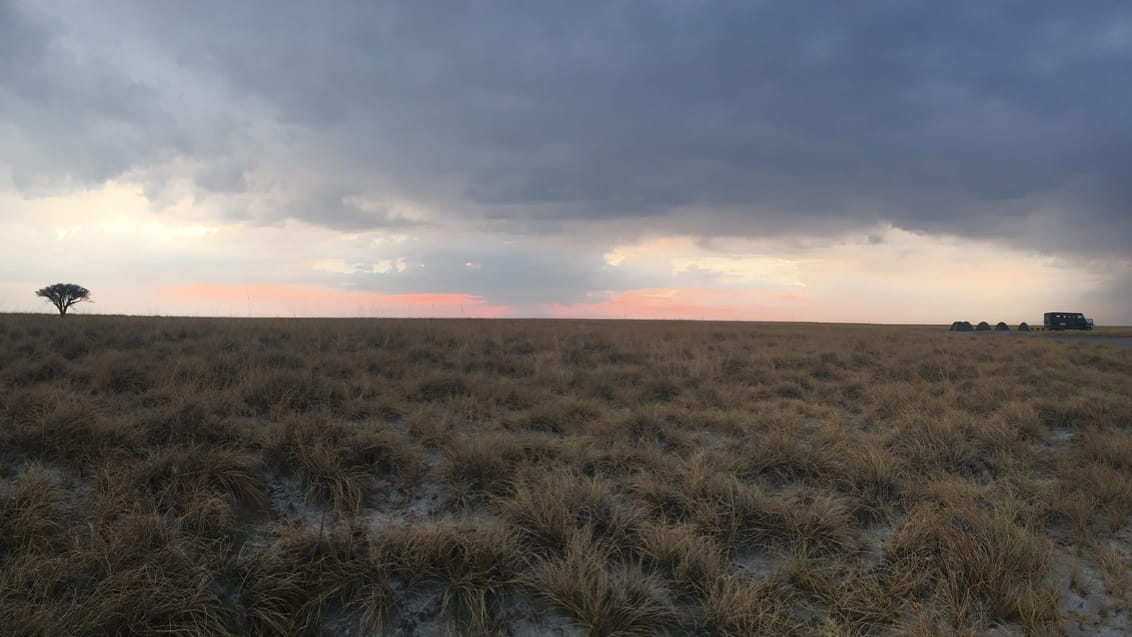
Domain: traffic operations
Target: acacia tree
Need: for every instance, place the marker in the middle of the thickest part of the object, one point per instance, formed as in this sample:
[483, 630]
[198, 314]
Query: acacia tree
[64, 295]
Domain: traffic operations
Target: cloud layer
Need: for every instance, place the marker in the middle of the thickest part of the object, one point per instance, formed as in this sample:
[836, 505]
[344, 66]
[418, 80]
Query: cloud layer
[529, 139]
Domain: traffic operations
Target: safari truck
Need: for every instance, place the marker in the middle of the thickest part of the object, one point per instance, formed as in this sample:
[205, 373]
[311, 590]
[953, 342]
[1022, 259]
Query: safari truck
[1067, 321]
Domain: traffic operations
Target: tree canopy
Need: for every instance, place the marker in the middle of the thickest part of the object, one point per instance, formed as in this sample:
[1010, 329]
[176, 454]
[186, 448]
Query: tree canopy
[64, 295]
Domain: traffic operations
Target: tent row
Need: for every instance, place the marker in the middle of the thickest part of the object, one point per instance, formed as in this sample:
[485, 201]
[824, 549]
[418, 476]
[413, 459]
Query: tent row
[983, 326]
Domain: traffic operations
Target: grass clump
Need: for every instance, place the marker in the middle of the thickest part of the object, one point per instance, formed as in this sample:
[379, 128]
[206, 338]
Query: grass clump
[603, 593]
[738, 606]
[550, 507]
[976, 566]
[305, 580]
[338, 462]
[476, 564]
[133, 575]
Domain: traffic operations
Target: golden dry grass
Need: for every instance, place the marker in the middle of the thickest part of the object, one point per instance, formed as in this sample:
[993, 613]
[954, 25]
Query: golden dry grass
[334, 477]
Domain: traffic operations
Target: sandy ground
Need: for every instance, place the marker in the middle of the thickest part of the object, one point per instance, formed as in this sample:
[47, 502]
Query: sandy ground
[1095, 602]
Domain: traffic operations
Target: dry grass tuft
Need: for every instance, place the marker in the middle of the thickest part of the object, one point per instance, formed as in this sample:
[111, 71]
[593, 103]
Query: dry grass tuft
[691, 561]
[740, 606]
[306, 579]
[30, 519]
[132, 576]
[481, 466]
[477, 564]
[977, 565]
[338, 461]
[607, 596]
[550, 507]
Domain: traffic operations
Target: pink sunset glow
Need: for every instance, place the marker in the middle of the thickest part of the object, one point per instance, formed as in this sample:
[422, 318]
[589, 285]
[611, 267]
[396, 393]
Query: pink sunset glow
[694, 304]
[300, 300]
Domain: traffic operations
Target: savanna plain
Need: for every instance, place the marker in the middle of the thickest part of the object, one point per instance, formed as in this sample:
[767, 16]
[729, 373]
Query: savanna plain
[167, 476]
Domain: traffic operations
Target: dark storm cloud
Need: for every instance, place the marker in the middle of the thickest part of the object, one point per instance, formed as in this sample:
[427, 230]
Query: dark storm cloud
[224, 176]
[998, 119]
[67, 119]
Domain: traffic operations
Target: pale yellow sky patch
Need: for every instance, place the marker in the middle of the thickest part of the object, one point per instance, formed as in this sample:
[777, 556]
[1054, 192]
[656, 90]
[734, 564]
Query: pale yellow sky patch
[916, 277]
[648, 247]
[337, 266]
[63, 232]
[115, 208]
[385, 266]
[744, 269]
[758, 265]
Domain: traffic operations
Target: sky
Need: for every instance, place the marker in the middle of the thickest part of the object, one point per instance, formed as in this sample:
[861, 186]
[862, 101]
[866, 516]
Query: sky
[893, 161]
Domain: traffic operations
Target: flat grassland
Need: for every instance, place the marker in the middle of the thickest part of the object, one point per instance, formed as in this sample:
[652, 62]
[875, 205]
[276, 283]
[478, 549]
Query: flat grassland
[365, 477]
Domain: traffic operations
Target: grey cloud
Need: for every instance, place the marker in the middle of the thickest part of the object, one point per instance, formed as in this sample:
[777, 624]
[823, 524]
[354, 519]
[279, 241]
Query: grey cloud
[525, 277]
[521, 275]
[336, 209]
[71, 118]
[223, 176]
[1004, 120]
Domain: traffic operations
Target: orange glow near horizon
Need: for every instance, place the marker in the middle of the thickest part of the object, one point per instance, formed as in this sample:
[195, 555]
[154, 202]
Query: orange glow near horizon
[692, 303]
[651, 303]
[309, 300]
